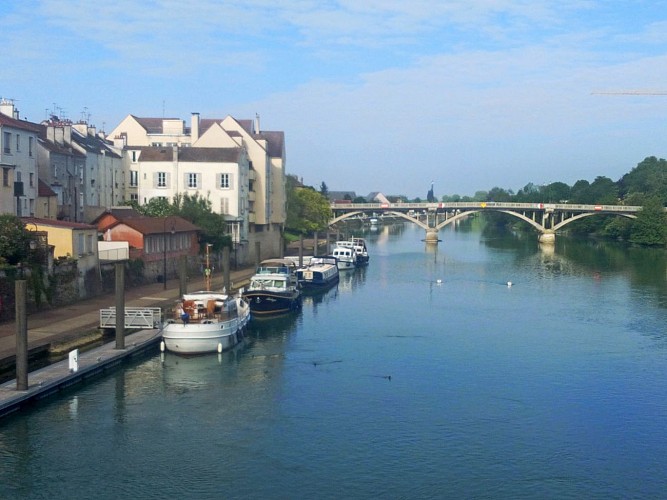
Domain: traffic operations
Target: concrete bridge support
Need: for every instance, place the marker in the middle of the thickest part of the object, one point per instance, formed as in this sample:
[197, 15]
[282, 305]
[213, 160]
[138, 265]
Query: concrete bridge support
[548, 237]
[431, 236]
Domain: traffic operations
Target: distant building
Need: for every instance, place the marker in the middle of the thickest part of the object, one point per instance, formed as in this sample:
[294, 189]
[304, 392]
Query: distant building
[18, 162]
[376, 197]
[335, 196]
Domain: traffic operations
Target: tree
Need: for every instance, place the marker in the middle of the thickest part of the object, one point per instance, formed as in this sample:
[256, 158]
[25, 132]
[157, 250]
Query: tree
[650, 226]
[649, 178]
[324, 190]
[14, 240]
[157, 207]
[307, 211]
[499, 194]
[199, 211]
[556, 192]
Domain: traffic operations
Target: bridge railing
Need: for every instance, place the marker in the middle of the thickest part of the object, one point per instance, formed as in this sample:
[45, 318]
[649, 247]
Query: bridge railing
[481, 205]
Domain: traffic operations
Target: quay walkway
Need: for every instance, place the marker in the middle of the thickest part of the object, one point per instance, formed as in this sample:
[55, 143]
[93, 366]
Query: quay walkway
[64, 329]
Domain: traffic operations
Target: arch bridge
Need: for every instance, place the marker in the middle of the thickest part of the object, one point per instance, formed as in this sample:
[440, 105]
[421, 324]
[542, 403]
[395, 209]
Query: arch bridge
[546, 218]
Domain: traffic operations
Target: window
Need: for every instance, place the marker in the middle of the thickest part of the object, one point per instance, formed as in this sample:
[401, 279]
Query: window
[224, 205]
[79, 244]
[30, 146]
[18, 176]
[192, 180]
[134, 156]
[134, 178]
[6, 138]
[18, 142]
[32, 179]
[5, 177]
[162, 179]
[224, 181]
[134, 197]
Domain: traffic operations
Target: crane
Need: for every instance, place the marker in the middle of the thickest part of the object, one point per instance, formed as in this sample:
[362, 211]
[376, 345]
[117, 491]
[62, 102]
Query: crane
[630, 92]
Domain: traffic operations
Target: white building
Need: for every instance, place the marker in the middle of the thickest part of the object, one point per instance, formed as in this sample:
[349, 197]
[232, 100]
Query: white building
[103, 176]
[18, 162]
[240, 168]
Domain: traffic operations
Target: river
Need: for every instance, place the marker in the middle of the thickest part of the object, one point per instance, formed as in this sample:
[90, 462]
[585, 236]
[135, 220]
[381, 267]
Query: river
[422, 376]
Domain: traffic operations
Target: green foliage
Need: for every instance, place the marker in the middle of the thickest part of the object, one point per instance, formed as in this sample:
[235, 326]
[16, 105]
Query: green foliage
[14, 240]
[199, 211]
[307, 210]
[157, 207]
[196, 209]
[499, 194]
[324, 190]
[650, 226]
[648, 178]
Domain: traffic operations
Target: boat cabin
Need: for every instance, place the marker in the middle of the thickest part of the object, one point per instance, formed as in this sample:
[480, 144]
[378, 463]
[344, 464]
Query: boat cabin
[197, 308]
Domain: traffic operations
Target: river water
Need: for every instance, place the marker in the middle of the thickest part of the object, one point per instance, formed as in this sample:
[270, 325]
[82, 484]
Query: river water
[422, 376]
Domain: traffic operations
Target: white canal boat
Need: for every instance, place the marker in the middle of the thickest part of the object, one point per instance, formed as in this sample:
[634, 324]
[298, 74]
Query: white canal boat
[347, 257]
[360, 248]
[206, 322]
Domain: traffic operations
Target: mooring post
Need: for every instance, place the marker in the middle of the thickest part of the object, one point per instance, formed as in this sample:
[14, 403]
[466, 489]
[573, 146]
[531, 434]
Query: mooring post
[225, 270]
[120, 305]
[301, 250]
[258, 253]
[21, 291]
[182, 276]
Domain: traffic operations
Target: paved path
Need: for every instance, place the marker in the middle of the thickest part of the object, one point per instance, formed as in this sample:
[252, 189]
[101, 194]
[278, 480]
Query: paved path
[69, 324]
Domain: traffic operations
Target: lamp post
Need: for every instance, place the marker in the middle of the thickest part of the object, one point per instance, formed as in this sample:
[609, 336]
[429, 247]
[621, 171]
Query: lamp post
[164, 249]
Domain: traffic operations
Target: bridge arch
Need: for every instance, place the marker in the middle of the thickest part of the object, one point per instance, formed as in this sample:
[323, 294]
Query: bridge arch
[581, 216]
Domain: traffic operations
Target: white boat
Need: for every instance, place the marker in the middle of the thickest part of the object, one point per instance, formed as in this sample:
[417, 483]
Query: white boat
[206, 322]
[359, 245]
[321, 272]
[347, 257]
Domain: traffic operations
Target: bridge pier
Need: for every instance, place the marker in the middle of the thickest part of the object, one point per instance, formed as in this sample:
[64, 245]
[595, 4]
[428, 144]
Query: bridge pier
[548, 237]
[431, 236]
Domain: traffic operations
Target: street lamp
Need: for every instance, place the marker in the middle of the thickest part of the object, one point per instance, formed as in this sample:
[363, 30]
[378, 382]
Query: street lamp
[164, 245]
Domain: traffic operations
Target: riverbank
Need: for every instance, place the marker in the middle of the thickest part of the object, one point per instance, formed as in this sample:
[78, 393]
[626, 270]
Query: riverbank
[53, 333]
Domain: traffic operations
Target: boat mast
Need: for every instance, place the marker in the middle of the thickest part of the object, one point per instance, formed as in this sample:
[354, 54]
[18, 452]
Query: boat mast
[207, 271]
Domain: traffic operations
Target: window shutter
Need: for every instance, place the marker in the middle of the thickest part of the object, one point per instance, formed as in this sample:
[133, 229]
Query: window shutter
[166, 179]
[199, 186]
[218, 181]
[231, 181]
[155, 184]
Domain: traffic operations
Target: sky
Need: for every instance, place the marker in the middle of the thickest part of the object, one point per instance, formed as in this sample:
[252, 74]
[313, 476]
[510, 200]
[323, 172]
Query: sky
[373, 95]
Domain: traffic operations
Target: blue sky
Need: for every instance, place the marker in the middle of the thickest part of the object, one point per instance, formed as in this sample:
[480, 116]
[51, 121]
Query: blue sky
[373, 95]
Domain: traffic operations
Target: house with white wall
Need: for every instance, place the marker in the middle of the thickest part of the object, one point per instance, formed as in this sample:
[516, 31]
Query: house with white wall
[154, 148]
[18, 162]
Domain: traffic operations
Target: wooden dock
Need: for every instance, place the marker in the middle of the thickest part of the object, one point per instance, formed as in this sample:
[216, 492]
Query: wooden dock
[54, 378]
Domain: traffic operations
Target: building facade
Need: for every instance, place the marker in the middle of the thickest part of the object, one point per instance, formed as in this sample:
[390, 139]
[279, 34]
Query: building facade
[18, 162]
[231, 162]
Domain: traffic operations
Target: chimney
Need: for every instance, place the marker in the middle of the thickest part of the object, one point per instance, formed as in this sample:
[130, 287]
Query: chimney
[174, 156]
[7, 107]
[257, 123]
[194, 132]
